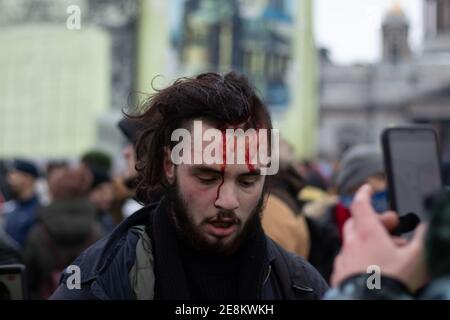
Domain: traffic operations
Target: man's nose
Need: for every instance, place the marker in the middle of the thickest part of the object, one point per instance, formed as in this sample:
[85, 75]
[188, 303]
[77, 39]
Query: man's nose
[226, 197]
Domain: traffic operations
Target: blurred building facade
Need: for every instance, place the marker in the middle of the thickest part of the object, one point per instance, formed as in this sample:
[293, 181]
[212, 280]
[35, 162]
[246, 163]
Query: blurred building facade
[63, 92]
[271, 41]
[357, 102]
[57, 83]
[252, 37]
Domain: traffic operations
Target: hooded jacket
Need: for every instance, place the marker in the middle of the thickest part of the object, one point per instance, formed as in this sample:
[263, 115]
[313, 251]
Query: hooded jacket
[64, 229]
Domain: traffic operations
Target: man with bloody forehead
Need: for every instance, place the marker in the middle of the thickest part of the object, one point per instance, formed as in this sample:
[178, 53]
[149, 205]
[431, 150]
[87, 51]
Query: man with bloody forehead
[207, 146]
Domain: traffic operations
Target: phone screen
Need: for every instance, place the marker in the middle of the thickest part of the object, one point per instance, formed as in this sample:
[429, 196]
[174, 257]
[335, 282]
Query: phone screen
[415, 169]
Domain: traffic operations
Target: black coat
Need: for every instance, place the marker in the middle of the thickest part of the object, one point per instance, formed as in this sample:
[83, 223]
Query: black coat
[105, 268]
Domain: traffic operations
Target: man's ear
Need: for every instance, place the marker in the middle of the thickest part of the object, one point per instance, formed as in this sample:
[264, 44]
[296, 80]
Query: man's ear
[169, 167]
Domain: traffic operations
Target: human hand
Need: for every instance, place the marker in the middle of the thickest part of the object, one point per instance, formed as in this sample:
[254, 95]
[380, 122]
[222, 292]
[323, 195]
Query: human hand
[366, 242]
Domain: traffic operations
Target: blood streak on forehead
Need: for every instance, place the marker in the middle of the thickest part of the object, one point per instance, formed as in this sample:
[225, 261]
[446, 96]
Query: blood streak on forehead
[224, 162]
[247, 143]
[250, 166]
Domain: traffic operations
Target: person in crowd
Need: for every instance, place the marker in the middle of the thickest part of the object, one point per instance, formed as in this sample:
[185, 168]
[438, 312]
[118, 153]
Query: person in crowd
[21, 212]
[5, 189]
[282, 220]
[10, 251]
[42, 188]
[65, 227]
[125, 186]
[101, 194]
[203, 239]
[102, 190]
[98, 159]
[359, 165]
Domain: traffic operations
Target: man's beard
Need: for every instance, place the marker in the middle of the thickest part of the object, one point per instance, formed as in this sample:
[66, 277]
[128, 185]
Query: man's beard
[190, 234]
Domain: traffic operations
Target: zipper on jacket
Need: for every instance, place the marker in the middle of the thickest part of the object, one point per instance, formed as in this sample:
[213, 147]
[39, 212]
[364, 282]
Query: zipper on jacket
[303, 288]
[268, 275]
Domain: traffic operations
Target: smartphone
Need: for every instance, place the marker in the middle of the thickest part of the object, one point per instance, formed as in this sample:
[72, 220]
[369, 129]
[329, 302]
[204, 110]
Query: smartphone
[413, 169]
[13, 284]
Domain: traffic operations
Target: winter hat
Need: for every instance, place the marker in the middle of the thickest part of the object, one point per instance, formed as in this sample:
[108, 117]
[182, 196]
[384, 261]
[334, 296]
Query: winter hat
[98, 159]
[26, 166]
[99, 176]
[357, 164]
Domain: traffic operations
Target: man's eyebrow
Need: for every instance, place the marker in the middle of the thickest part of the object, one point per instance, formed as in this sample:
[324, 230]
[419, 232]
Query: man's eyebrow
[203, 169]
[256, 172]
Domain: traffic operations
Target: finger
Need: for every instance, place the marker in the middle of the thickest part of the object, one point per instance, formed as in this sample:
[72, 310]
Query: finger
[337, 270]
[348, 231]
[362, 211]
[389, 219]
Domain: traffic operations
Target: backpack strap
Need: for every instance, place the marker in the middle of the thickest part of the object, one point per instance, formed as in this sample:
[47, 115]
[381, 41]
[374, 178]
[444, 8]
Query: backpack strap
[141, 275]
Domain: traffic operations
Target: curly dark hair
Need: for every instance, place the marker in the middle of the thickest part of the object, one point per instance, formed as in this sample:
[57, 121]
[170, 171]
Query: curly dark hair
[222, 100]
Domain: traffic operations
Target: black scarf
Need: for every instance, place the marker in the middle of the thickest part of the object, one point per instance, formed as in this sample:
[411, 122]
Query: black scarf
[171, 282]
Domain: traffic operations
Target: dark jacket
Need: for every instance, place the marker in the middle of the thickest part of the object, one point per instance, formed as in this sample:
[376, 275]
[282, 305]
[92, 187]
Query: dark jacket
[106, 266]
[355, 288]
[10, 252]
[21, 219]
[325, 242]
[64, 229]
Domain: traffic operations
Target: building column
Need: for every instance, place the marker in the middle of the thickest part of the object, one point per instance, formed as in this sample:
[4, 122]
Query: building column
[300, 123]
[153, 44]
[430, 18]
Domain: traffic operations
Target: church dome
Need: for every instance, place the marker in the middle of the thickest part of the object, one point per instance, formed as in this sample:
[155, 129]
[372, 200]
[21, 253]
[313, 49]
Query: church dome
[395, 16]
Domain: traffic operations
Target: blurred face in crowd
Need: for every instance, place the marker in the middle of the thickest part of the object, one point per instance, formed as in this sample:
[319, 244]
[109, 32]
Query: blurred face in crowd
[377, 182]
[379, 199]
[69, 182]
[102, 196]
[20, 182]
[214, 206]
[129, 154]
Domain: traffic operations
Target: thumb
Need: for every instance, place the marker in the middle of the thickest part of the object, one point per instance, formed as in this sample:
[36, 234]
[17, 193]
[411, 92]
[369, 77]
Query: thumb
[389, 220]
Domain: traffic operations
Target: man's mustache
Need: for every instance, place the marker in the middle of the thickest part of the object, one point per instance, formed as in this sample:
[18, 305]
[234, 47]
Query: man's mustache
[225, 216]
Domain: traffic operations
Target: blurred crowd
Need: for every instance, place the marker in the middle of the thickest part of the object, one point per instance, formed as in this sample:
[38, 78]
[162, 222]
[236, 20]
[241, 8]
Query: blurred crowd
[48, 217]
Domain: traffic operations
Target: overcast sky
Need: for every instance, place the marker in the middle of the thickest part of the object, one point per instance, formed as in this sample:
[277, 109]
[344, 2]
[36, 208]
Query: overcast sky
[351, 28]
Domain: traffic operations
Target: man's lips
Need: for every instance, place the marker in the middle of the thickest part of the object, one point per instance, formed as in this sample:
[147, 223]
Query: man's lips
[222, 228]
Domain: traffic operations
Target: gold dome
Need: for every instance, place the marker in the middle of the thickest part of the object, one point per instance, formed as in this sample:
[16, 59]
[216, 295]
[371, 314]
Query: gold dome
[395, 16]
[396, 10]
